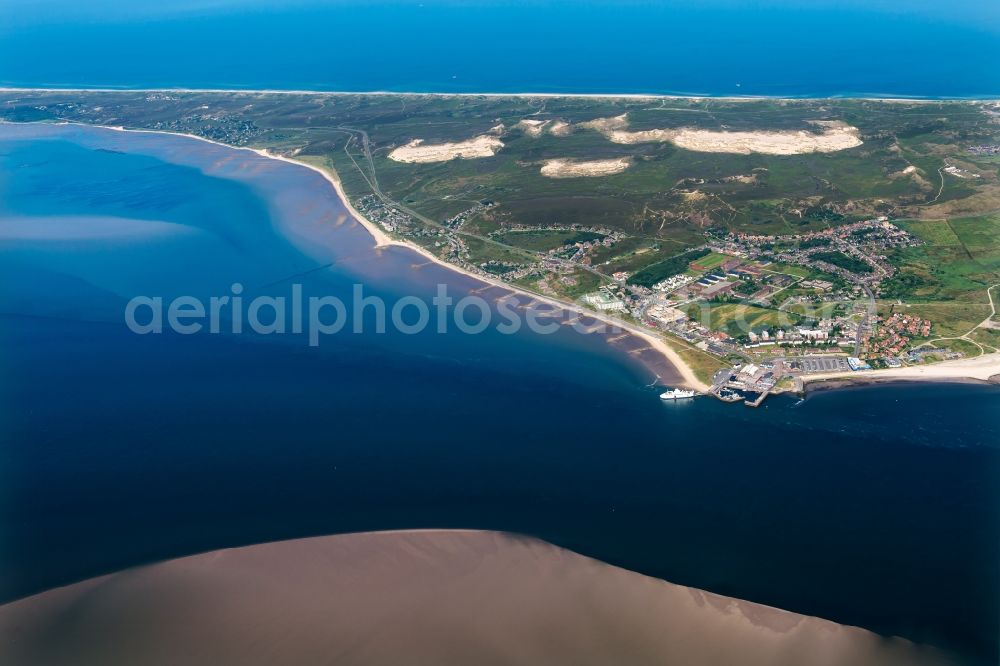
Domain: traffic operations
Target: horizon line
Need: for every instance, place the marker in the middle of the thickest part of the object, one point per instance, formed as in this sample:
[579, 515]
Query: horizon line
[388, 93]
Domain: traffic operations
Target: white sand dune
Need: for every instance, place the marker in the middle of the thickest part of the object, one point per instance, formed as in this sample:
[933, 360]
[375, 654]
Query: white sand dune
[768, 143]
[416, 598]
[536, 128]
[833, 136]
[417, 151]
[562, 168]
[560, 128]
[532, 128]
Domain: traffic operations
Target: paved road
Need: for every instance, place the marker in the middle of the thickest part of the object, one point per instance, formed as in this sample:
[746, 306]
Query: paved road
[372, 179]
[869, 315]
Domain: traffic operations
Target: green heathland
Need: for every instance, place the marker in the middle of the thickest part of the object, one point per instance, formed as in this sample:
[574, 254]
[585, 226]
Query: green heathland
[945, 280]
[500, 212]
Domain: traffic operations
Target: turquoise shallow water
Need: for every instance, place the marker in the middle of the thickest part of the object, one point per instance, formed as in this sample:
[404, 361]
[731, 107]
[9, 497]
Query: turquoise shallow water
[875, 506]
[714, 47]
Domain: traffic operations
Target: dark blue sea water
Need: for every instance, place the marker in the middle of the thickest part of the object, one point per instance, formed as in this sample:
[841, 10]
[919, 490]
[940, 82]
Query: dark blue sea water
[711, 47]
[878, 507]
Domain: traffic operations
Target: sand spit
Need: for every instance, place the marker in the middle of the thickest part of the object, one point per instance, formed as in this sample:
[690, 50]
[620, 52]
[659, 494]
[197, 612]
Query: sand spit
[424, 597]
[417, 152]
[833, 136]
[575, 169]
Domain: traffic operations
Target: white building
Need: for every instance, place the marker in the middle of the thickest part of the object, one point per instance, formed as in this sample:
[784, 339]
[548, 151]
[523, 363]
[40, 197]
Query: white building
[665, 314]
[813, 334]
[604, 302]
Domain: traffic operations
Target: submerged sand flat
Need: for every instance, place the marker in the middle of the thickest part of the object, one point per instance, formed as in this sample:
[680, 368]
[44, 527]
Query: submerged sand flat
[833, 136]
[417, 151]
[574, 169]
[415, 598]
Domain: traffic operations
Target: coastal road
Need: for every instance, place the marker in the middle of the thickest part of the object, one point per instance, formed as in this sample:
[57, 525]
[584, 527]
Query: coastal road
[866, 321]
[372, 179]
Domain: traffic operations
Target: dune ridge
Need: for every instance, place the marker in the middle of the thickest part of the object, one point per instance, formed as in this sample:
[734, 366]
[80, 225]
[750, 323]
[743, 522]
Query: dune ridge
[563, 168]
[418, 152]
[834, 136]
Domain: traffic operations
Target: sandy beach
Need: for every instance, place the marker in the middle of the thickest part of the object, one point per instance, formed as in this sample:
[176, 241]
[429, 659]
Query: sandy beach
[985, 368]
[422, 597]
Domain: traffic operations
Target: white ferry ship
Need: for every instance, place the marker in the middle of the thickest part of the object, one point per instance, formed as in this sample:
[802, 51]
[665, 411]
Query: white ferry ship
[677, 394]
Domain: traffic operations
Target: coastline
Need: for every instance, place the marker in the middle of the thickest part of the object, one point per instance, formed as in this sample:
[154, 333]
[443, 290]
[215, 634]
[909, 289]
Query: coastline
[374, 597]
[979, 369]
[984, 369]
[837, 383]
[382, 239]
[873, 97]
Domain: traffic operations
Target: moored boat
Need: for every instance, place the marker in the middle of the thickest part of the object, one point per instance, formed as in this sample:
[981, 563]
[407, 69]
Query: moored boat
[677, 394]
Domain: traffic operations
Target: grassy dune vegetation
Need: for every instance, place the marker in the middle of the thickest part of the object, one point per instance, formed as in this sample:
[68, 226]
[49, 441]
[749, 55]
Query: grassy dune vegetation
[657, 209]
[945, 280]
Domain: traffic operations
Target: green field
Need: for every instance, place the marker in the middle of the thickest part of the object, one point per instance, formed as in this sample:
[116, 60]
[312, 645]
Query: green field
[964, 347]
[990, 338]
[945, 280]
[738, 319]
[712, 260]
[822, 310]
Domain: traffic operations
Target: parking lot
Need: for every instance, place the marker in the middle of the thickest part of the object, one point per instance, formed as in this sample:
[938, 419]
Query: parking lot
[815, 364]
